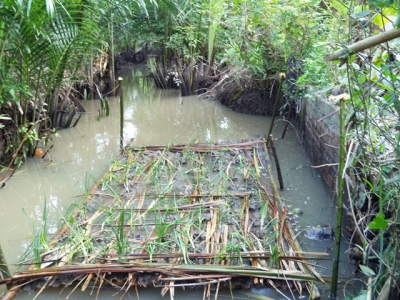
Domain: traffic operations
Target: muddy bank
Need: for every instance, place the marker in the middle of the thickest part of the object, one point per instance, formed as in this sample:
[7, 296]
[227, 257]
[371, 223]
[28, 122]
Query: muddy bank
[131, 58]
[232, 86]
[241, 92]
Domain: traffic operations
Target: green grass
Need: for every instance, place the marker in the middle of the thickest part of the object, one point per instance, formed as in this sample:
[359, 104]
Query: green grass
[39, 238]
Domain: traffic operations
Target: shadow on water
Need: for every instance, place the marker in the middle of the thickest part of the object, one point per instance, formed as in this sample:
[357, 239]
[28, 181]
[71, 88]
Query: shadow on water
[152, 117]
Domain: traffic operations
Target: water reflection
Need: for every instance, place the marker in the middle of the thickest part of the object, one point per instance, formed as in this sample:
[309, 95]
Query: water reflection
[160, 116]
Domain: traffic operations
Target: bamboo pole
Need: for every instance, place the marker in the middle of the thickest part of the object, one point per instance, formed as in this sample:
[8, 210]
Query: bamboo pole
[260, 254]
[91, 82]
[338, 232]
[364, 44]
[278, 166]
[282, 78]
[121, 112]
[202, 147]
[165, 268]
[112, 54]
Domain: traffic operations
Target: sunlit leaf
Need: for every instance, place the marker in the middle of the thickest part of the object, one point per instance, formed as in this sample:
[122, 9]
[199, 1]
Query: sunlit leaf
[388, 12]
[50, 7]
[379, 222]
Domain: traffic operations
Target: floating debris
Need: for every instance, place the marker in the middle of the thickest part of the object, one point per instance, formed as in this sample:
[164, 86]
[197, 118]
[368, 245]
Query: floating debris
[319, 233]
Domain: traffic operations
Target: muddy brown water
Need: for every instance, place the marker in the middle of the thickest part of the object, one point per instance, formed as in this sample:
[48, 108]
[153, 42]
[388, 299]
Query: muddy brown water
[152, 117]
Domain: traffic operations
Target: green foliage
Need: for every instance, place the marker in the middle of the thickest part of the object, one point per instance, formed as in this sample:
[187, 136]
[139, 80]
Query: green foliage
[183, 41]
[389, 8]
[381, 3]
[253, 34]
[242, 40]
[374, 109]
[121, 239]
[39, 238]
[41, 47]
[142, 23]
[104, 108]
[274, 256]
[216, 9]
[379, 222]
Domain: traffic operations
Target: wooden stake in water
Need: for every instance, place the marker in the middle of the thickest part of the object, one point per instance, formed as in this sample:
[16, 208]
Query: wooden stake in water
[338, 232]
[277, 164]
[282, 78]
[121, 112]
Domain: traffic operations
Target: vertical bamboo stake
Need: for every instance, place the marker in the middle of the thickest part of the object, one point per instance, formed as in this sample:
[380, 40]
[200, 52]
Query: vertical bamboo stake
[91, 83]
[338, 233]
[278, 166]
[112, 54]
[121, 112]
[282, 78]
[3, 266]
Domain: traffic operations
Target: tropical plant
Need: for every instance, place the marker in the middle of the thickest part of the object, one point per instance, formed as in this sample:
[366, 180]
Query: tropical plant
[39, 43]
[43, 48]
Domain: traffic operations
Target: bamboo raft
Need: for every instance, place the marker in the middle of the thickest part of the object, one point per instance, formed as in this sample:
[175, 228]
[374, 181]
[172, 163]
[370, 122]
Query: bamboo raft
[179, 215]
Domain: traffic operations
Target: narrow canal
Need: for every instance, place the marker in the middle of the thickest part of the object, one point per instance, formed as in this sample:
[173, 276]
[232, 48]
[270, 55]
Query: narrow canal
[152, 117]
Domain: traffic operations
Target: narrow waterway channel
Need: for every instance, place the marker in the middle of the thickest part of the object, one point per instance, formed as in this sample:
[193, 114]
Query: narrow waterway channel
[152, 117]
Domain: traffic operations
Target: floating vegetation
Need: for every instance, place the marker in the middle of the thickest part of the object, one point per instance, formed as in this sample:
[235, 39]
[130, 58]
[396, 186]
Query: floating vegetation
[179, 215]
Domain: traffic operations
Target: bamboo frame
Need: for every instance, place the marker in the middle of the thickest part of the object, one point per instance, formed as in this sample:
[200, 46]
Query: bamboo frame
[144, 222]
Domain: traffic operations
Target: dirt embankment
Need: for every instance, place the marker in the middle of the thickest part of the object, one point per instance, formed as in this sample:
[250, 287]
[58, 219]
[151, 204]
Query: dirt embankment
[241, 92]
[234, 87]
